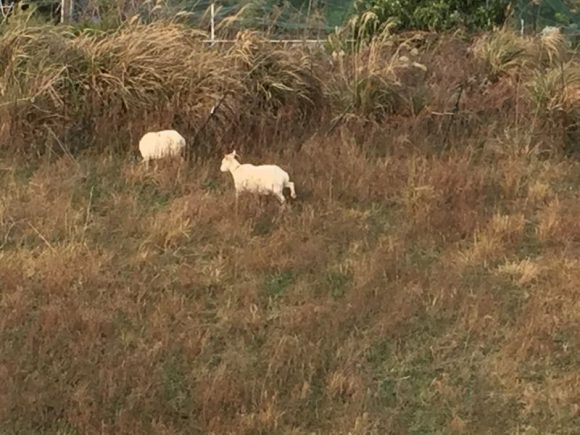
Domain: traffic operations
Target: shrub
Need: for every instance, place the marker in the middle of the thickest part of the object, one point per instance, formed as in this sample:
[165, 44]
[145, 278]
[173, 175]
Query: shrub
[557, 89]
[368, 81]
[504, 52]
[433, 15]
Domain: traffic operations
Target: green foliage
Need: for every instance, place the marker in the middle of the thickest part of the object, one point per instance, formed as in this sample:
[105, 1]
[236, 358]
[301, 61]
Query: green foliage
[337, 282]
[435, 15]
[277, 283]
[547, 13]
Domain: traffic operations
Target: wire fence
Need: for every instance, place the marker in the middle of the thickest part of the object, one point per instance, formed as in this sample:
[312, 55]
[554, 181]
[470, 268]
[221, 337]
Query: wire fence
[289, 20]
[530, 17]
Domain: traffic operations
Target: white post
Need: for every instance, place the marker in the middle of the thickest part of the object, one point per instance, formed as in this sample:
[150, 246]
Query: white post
[308, 19]
[522, 23]
[62, 7]
[212, 23]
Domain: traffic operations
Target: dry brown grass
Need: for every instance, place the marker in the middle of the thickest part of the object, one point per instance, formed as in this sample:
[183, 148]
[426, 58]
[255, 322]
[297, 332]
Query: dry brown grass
[402, 294]
[409, 289]
[106, 89]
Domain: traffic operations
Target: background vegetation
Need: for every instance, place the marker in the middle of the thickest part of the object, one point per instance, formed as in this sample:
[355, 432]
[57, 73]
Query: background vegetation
[425, 281]
[436, 15]
[314, 18]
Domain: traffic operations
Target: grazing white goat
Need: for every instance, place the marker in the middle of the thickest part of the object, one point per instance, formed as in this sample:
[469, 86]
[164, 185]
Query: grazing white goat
[160, 144]
[262, 179]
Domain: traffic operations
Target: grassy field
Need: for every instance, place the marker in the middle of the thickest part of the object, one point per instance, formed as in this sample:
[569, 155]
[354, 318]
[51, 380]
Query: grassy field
[425, 280]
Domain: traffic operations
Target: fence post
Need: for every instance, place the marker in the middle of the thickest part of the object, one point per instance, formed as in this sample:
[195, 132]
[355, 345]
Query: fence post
[66, 13]
[212, 23]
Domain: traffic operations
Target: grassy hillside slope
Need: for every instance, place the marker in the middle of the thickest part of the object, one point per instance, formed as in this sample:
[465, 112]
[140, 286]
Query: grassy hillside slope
[424, 281]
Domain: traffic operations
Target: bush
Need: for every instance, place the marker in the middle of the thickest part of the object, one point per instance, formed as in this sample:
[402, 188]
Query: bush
[435, 15]
[504, 52]
[369, 80]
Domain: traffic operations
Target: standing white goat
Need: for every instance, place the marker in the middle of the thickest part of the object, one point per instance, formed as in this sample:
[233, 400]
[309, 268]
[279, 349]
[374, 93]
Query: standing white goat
[160, 144]
[262, 179]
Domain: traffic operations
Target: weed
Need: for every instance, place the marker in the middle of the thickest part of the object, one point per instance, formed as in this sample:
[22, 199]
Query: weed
[337, 283]
[277, 283]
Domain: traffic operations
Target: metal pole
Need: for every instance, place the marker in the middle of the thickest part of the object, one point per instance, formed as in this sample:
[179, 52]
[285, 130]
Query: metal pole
[62, 8]
[308, 19]
[212, 23]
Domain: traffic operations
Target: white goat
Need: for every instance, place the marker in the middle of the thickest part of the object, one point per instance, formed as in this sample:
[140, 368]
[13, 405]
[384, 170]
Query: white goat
[262, 179]
[160, 144]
